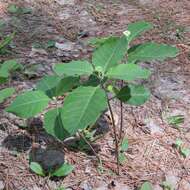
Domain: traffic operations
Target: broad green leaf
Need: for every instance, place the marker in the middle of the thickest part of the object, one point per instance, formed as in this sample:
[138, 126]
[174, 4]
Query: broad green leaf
[9, 66]
[13, 9]
[128, 72]
[29, 104]
[5, 93]
[74, 68]
[136, 28]
[97, 42]
[146, 186]
[82, 107]
[124, 145]
[134, 94]
[56, 86]
[64, 170]
[110, 54]
[36, 168]
[151, 51]
[54, 125]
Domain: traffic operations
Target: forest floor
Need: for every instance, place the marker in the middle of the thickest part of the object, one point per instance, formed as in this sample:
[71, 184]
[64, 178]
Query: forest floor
[71, 23]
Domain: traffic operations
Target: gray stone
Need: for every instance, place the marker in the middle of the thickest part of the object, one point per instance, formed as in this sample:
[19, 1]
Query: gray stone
[85, 186]
[65, 2]
[172, 179]
[2, 185]
[66, 46]
[153, 127]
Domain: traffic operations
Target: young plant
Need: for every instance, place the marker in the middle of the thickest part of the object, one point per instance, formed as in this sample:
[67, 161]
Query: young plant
[185, 152]
[88, 97]
[6, 68]
[63, 171]
[5, 42]
[122, 149]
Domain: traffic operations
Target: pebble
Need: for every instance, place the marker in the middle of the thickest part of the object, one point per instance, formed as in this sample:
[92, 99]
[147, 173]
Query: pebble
[2, 185]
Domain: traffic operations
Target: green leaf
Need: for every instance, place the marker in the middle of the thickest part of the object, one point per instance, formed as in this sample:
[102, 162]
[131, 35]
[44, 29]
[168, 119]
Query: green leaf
[13, 9]
[54, 125]
[74, 68]
[6, 41]
[82, 107]
[29, 104]
[124, 145]
[128, 72]
[167, 185]
[134, 94]
[64, 170]
[151, 51]
[178, 143]
[185, 152]
[110, 54]
[176, 120]
[146, 186]
[136, 28]
[9, 66]
[36, 168]
[56, 86]
[97, 42]
[50, 44]
[122, 158]
[26, 10]
[93, 80]
[5, 93]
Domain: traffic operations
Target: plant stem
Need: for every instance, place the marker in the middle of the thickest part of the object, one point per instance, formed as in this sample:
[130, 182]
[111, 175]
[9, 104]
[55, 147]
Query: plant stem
[91, 147]
[114, 130]
[115, 136]
[121, 116]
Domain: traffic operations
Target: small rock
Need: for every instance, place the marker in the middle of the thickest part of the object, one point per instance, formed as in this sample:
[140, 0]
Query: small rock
[2, 185]
[154, 127]
[67, 46]
[65, 2]
[101, 186]
[36, 51]
[172, 180]
[85, 186]
[120, 186]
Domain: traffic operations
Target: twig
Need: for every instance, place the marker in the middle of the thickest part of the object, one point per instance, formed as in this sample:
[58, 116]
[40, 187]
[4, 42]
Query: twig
[91, 147]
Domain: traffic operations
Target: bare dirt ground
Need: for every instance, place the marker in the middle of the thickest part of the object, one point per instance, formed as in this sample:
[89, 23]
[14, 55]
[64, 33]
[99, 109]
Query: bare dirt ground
[151, 155]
